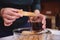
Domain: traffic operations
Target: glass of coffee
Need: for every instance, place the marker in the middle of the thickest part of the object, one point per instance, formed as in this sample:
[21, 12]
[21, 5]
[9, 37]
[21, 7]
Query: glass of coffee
[36, 24]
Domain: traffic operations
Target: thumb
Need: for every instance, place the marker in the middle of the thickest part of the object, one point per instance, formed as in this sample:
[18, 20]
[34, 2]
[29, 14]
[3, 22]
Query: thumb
[37, 11]
[44, 27]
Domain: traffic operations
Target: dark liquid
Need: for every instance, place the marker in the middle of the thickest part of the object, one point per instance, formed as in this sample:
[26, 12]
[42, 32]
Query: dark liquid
[36, 26]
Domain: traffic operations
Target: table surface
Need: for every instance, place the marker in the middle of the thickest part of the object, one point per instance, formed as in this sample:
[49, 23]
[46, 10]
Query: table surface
[56, 32]
[7, 38]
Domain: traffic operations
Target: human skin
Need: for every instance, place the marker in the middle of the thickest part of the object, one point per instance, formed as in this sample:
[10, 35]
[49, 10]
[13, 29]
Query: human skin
[9, 15]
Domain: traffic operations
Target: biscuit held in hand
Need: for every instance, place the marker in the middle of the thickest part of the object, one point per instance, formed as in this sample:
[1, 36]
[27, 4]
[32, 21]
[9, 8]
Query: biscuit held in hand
[25, 13]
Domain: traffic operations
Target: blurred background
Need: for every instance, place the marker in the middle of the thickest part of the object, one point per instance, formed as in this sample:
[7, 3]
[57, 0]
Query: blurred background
[51, 8]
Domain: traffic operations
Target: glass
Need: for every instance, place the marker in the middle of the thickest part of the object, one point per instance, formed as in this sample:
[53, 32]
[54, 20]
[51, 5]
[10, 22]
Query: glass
[36, 23]
[19, 36]
[36, 26]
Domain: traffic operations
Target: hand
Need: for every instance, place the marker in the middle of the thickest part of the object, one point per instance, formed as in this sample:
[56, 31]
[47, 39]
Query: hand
[39, 18]
[9, 15]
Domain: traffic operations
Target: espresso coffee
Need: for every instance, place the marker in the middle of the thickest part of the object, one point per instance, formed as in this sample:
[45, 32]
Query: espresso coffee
[37, 26]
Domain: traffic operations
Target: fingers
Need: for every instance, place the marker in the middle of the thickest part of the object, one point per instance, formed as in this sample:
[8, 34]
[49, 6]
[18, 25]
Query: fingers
[9, 21]
[39, 18]
[10, 15]
[15, 11]
[7, 24]
[35, 19]
[30, 19]
[13, 14]
[37, 12]
[44, 26]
